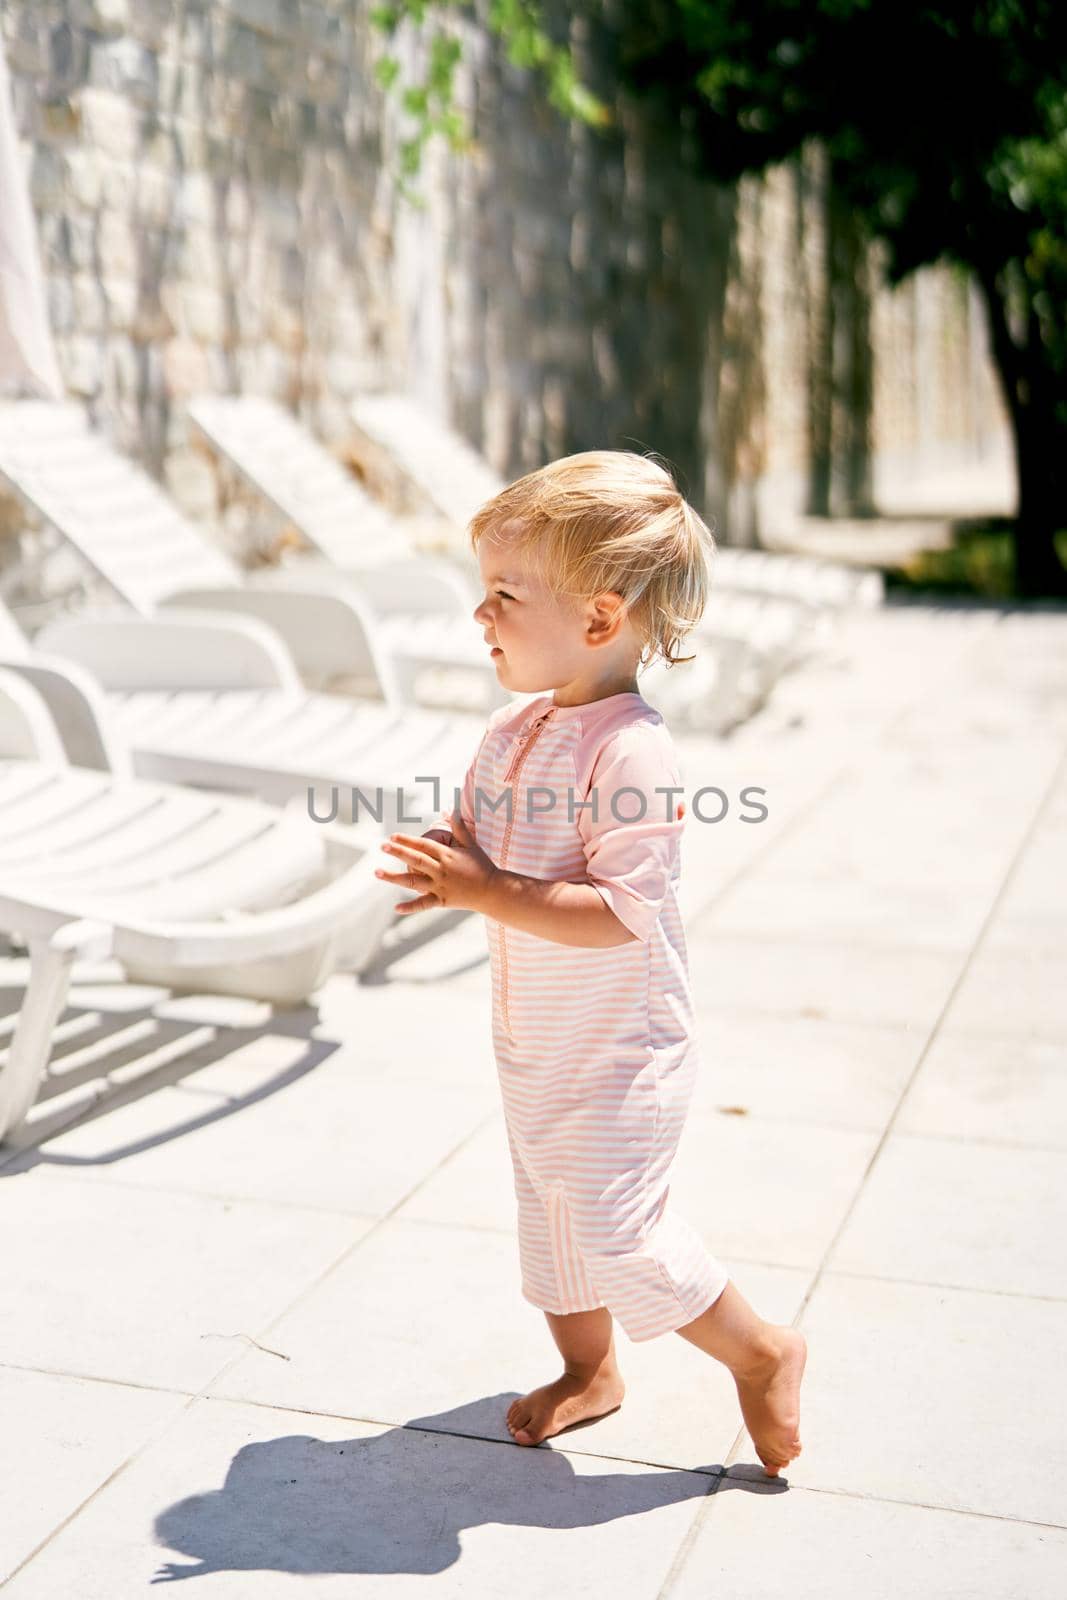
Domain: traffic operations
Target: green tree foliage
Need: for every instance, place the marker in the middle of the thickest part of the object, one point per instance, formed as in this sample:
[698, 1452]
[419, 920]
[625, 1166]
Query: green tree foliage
[946, 130]
[429, 103]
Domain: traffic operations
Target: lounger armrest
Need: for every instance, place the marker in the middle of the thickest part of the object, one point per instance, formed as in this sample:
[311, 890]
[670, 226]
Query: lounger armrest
[172, 650]
[27, 731]
[331, 636]
[78, 713]
[335, 908]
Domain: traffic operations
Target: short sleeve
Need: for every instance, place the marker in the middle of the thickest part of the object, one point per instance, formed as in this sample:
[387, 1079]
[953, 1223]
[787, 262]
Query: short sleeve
[632, 846]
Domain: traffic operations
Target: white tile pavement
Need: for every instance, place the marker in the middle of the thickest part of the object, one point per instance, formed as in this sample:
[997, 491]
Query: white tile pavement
[261, 1316]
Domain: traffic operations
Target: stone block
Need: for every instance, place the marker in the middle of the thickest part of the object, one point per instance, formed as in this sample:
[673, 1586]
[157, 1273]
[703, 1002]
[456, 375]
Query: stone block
[117, 246]
[120, 300]
[263, 369]
[154, 23]
[89, 308]
[59, 120]
[118, 186]
[184, 367]
[326, 32]
[248, 310]
[272, 17]
[48, 174]
[285, 326]
[196, 311]
[191, 142]
[103, 16]
[125, 67]
[68, 57]
[122, 369]
[197, 199]
[61, 309]
[109, 122]
[81, 363]
[154, 200]
[197, 256]
[246, 56]
[26, 44]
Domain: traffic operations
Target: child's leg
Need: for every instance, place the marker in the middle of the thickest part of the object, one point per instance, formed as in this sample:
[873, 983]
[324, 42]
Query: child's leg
[590, 1386]
[767, 1363]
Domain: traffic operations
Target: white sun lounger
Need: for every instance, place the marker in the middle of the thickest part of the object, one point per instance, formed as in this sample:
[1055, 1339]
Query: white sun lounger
[747, 641]
[450, 474]
[185, 889]
[455, 479]
[287, 466]
[309, 488]
[215, 701]
[135, 539]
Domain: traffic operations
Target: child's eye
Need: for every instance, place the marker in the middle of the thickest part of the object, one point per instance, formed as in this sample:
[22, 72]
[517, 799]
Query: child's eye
[504, 596]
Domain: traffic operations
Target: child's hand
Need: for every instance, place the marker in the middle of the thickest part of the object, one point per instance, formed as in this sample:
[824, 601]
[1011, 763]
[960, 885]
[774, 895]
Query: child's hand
[456, 875]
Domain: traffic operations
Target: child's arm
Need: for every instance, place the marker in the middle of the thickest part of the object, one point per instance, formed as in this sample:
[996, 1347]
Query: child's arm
[462, 876]
[565, 913]
[629, 863]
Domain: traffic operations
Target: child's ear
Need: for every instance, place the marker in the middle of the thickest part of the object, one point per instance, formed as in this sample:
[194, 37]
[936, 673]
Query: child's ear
[608, 615]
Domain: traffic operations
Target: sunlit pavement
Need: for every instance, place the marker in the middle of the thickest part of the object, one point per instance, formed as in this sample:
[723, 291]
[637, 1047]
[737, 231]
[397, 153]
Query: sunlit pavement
[261, 1313]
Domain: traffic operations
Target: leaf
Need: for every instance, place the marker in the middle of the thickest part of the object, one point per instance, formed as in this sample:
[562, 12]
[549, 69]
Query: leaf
[386, 71]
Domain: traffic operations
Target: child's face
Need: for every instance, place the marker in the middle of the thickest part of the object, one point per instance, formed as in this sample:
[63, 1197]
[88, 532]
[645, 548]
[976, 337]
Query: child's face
[543, 640]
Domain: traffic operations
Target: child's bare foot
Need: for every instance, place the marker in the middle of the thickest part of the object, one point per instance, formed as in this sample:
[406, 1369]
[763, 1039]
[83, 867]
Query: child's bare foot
[555, 1406]
[770, 1401]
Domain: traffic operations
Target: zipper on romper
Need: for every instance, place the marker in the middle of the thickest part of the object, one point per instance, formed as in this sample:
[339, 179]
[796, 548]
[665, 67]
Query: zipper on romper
[523, 745]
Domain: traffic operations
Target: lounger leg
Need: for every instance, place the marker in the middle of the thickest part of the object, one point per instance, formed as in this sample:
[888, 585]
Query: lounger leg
[50, 962]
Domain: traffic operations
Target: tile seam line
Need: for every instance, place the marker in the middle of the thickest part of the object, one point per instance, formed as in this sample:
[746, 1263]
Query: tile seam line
[895, 1500]
[68, 1170]
[716, 1473]
[74, 1376]
[765, 1119]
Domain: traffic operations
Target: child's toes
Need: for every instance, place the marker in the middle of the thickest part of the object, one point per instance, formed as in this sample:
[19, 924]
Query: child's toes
[519, 1425]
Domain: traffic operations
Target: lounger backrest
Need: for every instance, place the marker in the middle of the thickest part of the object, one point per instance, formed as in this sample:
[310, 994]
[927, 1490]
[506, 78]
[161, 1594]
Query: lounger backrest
[452, 475]
[299, 476]
[104, 505]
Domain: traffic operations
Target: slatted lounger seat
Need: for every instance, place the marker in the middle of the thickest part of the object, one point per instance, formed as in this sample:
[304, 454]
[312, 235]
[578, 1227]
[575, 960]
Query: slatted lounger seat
[187, 889]
[204, 699]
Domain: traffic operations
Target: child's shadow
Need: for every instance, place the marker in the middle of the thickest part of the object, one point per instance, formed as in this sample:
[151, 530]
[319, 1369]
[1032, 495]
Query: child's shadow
[399, 1502]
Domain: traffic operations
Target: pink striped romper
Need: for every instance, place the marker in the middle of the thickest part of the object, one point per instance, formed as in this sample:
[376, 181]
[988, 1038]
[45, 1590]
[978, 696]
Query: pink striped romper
[595, 1048]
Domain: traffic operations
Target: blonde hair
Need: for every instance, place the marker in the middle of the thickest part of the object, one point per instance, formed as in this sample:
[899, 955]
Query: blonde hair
[612, 519]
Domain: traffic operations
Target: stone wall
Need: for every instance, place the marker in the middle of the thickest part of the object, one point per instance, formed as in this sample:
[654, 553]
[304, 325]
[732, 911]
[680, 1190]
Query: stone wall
[215, 187]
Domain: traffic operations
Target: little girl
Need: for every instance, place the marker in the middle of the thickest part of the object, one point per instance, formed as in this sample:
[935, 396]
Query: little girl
[567, 841]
